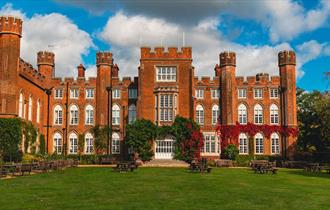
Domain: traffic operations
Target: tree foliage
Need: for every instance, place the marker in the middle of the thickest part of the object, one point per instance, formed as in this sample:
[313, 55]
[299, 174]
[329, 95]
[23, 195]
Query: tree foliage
[139, 136]
[314, 122]
[42, 145]
[81, 143]
[101, 136]
[189, 139]
[10, 139]
[231, 152]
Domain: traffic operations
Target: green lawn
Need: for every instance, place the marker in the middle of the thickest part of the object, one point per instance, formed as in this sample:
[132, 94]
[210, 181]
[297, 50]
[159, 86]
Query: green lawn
[166, 188]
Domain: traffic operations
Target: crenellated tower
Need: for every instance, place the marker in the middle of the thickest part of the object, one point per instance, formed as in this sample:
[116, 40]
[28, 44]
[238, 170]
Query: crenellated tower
[46, 64]
[10, 37]
[104, 63]
[228, 88]
[287, 68]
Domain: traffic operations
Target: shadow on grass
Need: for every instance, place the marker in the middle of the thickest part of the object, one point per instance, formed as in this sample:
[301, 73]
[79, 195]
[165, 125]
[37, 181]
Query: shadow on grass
[301, 172]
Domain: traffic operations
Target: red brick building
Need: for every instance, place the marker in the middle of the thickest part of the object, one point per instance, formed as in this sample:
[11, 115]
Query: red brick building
[166, 86]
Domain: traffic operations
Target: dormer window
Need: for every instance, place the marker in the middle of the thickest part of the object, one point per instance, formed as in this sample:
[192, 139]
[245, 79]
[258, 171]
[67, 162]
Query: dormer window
[166, 74]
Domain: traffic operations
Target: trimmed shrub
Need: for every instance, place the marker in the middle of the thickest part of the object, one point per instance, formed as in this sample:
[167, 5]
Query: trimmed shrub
[231, 152]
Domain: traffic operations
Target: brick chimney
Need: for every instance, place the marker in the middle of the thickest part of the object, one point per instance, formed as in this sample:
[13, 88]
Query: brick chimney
[81, 70]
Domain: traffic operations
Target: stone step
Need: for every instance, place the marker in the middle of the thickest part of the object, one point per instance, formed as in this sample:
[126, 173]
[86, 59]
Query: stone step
[165, 163]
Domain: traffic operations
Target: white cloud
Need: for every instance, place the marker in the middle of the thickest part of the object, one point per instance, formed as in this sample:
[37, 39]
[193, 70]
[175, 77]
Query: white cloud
[284, 19]
[206, 40]
[41, 31]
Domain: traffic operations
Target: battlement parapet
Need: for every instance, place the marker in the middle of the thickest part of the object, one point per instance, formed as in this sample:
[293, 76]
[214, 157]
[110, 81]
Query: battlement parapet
[227, 59]
[11, 25]
[46, 58]
[171, 53]
[261, 79]
[104, 58]
[29, 72]
[286, 57]
[205, 81]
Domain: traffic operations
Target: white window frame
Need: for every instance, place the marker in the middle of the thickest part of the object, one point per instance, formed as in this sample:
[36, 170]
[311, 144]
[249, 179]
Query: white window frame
[74, 93]
[215, 93]
[21, 105]
[89, 93]
[275, 144]
[57, 139]
[199, 93]
[73, 140]
[274, 114]
[132, 93]
[259, 144]
[273, 92]
[115, 114]
[211, 144]
[215, 114]
[89, 115]
[131, 113]
[200, 114]
[258, 93]
[58, 115]
[116, 93]
[58, 93]
[89, 142]
[38, 110]
[166, 107]
[166, 73]
[30, 108]
[74, 115]
[241, 92]
[115, 144]
[243, 144]
[242, 114]
[258, 114]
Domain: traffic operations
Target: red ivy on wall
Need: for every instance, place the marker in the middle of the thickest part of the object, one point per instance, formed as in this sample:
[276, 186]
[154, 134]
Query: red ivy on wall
[229, 133]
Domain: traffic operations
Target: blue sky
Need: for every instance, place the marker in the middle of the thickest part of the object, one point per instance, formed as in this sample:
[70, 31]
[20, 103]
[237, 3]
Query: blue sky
[256, 30]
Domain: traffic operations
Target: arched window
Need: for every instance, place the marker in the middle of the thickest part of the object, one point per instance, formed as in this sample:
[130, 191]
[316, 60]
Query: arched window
[30, 108]
[73, 115]
[243, 144]
[116, 115]
[57, 143]
[89, 142]
[38, 111]
[215, 114]
[115, 143]
[58, 115]
[89, 115]
[200, 115]
[275, 143]
[259, 143]
[258, 114]
[73, 143]
[131, 113]
[242, 114]
[273, 114]
[21, 104]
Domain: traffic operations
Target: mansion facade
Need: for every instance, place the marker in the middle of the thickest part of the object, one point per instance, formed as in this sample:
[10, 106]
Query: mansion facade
[166, 86]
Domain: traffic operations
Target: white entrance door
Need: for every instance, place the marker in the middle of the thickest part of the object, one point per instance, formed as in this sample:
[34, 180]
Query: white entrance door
[164, 149]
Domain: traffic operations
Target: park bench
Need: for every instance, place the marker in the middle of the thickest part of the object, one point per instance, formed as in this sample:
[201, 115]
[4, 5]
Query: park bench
[263, 166]
[224, 163]
[312, 167]
[3, 171]
[124, 167]
[107, 160]
[199, 166]
[25, 168]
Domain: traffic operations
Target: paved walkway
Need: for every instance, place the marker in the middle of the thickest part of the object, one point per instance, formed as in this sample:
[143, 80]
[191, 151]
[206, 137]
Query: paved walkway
[166, 163]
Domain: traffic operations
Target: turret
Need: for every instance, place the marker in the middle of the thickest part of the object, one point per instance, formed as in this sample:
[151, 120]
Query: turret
[104, 63]
[228, 88]
[46, 64]
[287, 68]
[10, 34]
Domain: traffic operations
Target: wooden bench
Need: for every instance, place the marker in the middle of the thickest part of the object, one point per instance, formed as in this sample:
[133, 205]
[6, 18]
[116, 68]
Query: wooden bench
[25, 168]
[200, 167]
[263, 166]
[313, 167]
[224, 163]
[125, 167]
[3, 171]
